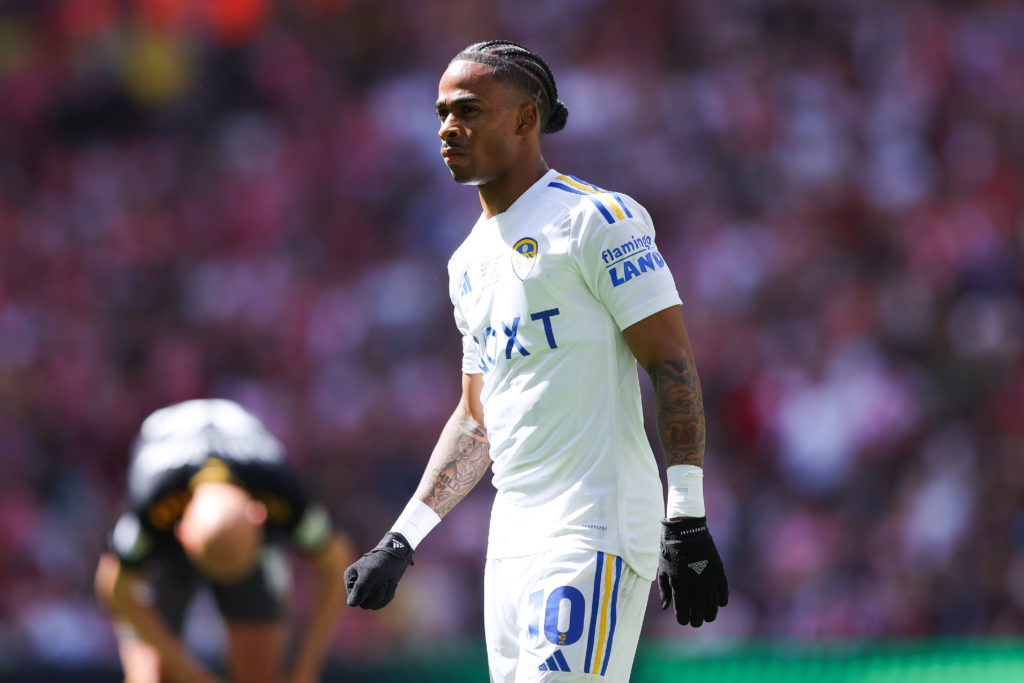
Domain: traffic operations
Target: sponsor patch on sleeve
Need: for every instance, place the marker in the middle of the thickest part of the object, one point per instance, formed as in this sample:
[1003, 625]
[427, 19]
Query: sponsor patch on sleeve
[631, 259]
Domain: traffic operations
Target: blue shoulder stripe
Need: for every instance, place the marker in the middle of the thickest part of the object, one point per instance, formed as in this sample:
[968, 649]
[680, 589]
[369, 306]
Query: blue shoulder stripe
[573, 185]
[597, 202]
[623, 205]
[600, 207]
[595, 188]
[592, 186]
[560, 186]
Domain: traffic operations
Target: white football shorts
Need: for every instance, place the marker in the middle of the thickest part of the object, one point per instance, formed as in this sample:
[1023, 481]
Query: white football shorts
[568, 615]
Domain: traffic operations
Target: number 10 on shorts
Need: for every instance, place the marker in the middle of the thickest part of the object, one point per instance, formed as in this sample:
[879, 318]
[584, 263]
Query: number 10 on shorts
[561, 617]
[561, 614]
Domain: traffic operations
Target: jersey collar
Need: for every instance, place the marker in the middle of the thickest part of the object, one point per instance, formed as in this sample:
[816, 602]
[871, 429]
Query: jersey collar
[525, 199]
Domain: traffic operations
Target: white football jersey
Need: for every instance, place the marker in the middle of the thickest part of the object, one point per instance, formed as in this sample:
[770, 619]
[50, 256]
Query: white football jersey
[541, 295]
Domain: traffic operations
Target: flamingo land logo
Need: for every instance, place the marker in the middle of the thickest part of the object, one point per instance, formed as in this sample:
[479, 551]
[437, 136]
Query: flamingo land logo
[524, 256]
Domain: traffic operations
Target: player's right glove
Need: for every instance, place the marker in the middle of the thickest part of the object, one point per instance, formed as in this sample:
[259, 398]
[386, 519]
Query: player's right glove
[371, 581]
[690, 572]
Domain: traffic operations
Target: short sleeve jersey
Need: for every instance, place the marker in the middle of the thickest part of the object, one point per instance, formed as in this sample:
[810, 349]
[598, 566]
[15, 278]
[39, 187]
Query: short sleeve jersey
[180, 448]
[542, 293]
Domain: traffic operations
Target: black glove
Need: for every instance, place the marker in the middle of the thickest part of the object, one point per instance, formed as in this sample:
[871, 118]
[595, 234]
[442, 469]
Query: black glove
[690, 571]
[371, 581]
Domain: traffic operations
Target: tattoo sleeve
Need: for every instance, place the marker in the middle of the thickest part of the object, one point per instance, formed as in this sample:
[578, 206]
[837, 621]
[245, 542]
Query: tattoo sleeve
[458, 462]
[680, 411]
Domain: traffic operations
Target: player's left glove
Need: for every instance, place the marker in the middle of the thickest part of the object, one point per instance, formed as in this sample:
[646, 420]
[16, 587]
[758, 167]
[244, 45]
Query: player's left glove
[371, 581]
[690, 572]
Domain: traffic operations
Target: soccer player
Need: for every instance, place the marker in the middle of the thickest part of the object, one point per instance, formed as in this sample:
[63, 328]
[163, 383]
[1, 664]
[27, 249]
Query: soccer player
[212, 502]
[559, 290]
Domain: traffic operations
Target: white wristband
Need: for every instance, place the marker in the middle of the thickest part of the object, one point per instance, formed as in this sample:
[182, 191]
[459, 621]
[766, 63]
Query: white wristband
[416, 521]
[685, 491]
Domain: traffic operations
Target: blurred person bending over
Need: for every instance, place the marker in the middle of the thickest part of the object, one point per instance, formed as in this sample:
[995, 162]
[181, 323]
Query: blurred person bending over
[211, 501]
[559, 290]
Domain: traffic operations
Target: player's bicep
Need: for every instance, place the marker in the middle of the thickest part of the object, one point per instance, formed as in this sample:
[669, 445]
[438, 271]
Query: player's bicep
[659, 337]
[472, 358]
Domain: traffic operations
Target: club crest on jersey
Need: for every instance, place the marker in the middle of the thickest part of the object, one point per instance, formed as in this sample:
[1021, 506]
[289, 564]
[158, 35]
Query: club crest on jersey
[524, 256]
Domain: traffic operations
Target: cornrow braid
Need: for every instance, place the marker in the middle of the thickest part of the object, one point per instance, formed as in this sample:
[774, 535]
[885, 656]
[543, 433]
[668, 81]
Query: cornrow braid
[514, 63]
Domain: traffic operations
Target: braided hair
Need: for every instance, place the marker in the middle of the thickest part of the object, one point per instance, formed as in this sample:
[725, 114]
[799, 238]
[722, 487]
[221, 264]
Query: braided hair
[515, 64]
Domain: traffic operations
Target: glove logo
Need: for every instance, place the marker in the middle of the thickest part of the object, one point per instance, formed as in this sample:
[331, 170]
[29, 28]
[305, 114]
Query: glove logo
[698, 566]
[372, 579]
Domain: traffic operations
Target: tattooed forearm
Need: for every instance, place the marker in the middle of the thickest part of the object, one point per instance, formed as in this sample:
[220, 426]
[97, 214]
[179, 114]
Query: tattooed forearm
[680, 411]
[458, 462]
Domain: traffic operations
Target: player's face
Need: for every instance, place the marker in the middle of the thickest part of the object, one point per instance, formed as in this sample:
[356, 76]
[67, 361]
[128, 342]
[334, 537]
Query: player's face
[478, 123]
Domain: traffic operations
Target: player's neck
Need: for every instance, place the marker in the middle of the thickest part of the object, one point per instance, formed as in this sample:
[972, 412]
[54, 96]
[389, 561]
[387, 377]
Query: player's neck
[497, 195]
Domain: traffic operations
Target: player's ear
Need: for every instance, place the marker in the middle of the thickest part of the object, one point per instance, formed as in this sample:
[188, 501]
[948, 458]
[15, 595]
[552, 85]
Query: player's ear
[185, 532]
[182, 526]
[529, 118]
[256, 512]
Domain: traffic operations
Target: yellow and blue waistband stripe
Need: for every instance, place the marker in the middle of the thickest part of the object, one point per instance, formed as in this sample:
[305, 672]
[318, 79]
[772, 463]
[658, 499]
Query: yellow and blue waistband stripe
[602, 199]
[602, 613]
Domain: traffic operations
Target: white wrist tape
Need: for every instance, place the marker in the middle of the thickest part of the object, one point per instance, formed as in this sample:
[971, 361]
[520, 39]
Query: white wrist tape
[685, 491]
[416, 521]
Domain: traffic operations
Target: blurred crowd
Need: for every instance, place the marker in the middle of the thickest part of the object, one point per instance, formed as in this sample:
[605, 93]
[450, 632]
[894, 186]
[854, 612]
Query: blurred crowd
[244, 198]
